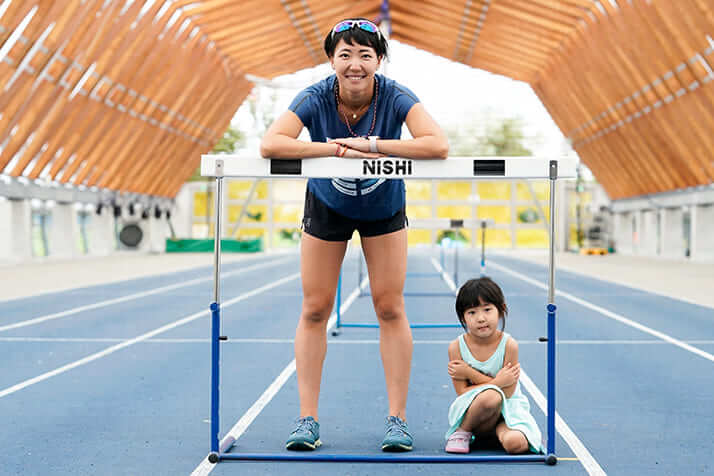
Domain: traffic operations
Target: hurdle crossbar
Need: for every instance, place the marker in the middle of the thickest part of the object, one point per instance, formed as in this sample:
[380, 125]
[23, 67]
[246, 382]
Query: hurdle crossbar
[474, 168]
[484, 168]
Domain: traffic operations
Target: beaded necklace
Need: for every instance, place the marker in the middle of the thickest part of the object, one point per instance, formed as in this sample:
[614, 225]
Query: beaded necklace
[375, 94]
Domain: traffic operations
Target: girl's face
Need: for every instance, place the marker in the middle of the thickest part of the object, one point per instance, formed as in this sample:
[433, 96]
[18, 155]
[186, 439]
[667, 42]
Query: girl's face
[354, 65]
[482, 320]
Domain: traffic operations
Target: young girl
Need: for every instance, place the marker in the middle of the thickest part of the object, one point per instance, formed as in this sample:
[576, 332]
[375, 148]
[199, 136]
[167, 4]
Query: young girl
[483, 365]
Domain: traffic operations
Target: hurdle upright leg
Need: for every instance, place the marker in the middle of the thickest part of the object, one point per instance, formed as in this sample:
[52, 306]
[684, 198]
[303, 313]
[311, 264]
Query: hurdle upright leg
[483, 247]
[550, 446]
[338, 304]
[456, 267]
[216, 327]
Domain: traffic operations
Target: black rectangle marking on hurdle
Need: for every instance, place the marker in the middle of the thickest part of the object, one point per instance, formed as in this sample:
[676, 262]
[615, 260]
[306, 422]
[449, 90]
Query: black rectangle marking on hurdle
[490, 167]
[286, 167]
[457, 223]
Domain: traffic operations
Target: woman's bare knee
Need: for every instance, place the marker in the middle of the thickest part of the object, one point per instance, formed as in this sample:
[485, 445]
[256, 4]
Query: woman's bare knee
[514, 442]
[388, 309]
[316, 311]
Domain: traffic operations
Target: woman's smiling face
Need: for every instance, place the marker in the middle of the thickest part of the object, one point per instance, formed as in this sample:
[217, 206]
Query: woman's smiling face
[355, 65]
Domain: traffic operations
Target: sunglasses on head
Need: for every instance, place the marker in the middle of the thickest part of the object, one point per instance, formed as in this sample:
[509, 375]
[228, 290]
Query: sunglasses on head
[365, 25]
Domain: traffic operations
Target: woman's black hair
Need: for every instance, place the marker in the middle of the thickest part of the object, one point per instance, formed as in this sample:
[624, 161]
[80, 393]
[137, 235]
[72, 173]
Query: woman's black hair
[477, 292]
[358, 35]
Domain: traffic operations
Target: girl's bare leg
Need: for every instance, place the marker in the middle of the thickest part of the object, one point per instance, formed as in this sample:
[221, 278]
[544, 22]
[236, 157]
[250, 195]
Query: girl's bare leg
[320, 263]
[386, 257]
[483, 413]
[513, 441]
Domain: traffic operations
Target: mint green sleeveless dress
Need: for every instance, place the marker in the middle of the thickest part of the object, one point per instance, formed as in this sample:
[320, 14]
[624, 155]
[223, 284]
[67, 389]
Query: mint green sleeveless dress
[516, 410]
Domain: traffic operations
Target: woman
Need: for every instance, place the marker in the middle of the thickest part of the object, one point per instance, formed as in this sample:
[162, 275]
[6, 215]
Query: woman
[354, 113]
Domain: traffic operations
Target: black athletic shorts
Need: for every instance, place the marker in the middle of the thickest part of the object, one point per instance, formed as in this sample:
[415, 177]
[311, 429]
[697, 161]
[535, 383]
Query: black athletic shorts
[322, 222]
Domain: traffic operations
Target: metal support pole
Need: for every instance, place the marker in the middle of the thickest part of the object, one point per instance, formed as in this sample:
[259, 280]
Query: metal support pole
[339, 300]
[215, 390]
[441, 255]
[216, 323]
[551, 380]
[359, 271]
[551, 251]
[550, 453]
[456, 267]
[483, 247]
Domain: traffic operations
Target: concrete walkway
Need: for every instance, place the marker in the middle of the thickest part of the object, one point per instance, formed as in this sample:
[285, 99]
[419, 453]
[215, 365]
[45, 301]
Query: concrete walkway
[46, 276]
[679, 279]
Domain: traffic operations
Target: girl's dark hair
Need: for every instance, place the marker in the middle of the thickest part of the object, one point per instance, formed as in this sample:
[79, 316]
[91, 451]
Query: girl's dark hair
[356, 34]
[477, 292]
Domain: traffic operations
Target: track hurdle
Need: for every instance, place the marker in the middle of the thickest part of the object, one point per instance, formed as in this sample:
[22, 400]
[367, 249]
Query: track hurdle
[474, 168]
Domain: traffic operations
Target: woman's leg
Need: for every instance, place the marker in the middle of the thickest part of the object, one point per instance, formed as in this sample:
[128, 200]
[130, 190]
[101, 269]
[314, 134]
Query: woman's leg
[320, 263]
[386, 257]
[513, 441]
[483, 413]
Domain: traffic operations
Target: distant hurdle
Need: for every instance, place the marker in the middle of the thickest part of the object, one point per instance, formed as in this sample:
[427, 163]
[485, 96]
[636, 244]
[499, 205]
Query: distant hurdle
[434, 224]
[474, 168]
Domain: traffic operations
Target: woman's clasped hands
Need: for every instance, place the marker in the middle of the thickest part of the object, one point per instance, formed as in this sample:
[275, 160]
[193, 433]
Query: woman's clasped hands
[355, 148]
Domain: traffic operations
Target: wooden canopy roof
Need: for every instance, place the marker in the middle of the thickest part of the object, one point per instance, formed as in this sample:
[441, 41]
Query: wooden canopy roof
[126, 95]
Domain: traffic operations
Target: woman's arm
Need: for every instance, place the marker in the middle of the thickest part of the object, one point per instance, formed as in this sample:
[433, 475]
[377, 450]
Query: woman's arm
[429, 141]
[280, 142]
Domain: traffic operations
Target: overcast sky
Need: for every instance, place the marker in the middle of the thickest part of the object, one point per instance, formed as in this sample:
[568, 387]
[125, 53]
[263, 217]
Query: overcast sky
[453, 94]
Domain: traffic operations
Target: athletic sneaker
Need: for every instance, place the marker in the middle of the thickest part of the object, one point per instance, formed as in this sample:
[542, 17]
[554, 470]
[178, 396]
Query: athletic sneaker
[397, 436]
[306, 436]
[459, 442]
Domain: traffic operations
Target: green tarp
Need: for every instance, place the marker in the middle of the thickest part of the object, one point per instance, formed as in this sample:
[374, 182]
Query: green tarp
[206, 246]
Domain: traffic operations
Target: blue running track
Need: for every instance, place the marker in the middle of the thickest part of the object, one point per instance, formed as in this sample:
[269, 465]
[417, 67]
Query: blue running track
[121, 387]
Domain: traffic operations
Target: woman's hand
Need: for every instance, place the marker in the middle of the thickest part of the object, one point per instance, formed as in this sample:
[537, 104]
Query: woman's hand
[355, 143]
[508, 375]
[357, 154]
[459, 370]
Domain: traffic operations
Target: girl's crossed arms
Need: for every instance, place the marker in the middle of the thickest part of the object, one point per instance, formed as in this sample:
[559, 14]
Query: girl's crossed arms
[465, 377]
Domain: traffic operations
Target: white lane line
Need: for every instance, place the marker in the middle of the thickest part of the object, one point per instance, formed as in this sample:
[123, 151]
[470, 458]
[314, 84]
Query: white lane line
[143, 337]
[329, 341]
[130, 297]
[581, 452]
[205, 467]
[610, 314]
[444, 275]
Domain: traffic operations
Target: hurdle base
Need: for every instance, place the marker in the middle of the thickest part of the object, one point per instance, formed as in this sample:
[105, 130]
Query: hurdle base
[346, 458]
[415, 294]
